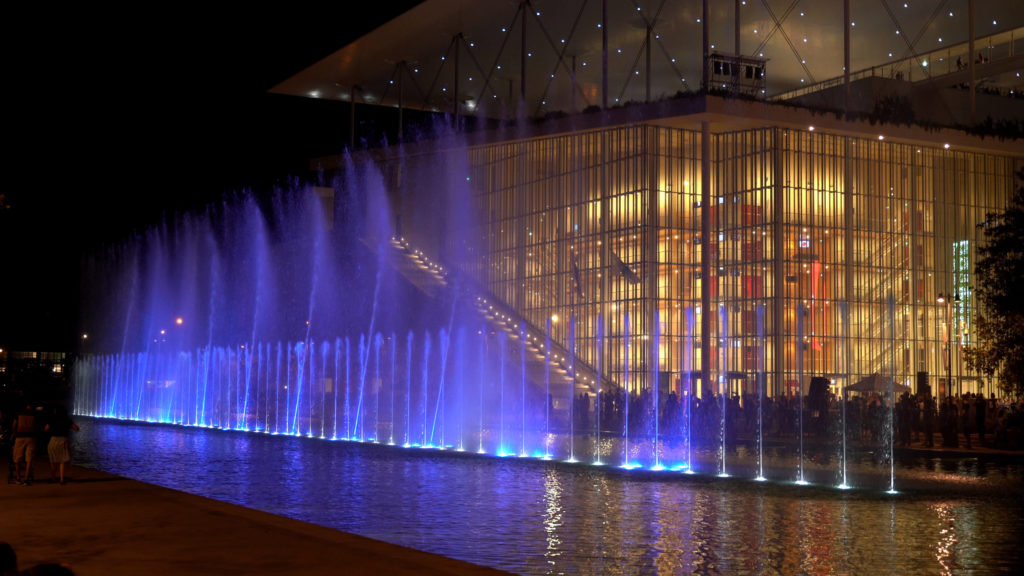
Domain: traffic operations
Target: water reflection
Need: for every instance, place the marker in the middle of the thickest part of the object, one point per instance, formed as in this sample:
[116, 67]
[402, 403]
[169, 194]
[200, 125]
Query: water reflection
[944, 550]
[536, 517]
[552, 517]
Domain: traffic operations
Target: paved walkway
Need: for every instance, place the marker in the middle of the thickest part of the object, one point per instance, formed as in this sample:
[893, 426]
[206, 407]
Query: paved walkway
[101, 524]
[978, 449]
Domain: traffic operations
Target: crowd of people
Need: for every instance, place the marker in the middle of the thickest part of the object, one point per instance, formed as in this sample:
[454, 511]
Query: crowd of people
[27, 430]
[954, 421]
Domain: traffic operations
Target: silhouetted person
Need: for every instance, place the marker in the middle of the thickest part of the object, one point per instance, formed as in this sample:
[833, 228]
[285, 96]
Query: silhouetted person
[8, 560]
[906, 409]
[965, 419]
[979, 417]
[25, 428]
[59, 448]
[948, 422]
[929, 421]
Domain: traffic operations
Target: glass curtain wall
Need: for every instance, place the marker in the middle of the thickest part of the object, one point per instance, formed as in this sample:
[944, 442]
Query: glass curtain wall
[597, 223]
[841, 244]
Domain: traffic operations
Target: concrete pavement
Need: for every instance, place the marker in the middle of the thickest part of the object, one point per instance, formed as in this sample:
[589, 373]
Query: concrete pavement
[101, 524]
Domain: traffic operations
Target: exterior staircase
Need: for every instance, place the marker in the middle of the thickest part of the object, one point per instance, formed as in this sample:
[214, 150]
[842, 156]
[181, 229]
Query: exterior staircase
[553, 364]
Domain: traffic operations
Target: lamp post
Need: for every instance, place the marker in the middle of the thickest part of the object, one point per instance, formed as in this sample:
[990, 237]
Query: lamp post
[943, 299]
[179, 333]
[954, 326]
[948, 301]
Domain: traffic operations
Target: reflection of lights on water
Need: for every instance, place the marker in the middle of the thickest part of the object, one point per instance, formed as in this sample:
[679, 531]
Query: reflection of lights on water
[552, 511]
[947, 542]
[960, 475]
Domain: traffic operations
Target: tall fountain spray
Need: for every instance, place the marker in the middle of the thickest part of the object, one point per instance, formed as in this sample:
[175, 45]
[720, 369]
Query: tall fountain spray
[314, 348]
[760, 391]
[723, 388]
[626, 395]
[800, 391]
[891, 408]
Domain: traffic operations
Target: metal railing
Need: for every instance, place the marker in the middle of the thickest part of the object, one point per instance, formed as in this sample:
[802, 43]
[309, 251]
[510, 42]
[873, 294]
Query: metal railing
[927, 65]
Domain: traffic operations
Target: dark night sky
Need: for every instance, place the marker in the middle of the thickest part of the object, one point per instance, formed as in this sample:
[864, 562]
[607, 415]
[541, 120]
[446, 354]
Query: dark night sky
[116, 119]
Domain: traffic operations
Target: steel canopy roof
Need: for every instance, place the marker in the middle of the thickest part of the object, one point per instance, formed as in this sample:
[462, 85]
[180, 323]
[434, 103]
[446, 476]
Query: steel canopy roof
[473, 52]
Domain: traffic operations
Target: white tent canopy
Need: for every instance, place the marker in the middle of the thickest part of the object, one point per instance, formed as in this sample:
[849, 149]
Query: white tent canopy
[877, 383]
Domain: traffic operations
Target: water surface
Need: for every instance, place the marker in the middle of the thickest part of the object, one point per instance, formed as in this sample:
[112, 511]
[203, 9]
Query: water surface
[534, 517]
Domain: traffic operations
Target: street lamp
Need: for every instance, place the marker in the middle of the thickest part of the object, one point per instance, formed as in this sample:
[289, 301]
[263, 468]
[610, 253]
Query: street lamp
[948, 301]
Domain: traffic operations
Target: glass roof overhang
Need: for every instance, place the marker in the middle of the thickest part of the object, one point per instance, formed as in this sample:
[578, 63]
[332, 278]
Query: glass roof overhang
[505, 58]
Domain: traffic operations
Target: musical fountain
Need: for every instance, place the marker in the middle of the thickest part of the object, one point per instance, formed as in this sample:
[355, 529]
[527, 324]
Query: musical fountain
[287, 315]
[300, 342]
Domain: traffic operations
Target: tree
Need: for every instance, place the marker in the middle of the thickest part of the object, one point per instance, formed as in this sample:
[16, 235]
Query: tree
[999, 275]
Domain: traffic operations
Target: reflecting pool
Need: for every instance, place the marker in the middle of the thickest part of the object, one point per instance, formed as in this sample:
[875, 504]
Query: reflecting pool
[531, 516]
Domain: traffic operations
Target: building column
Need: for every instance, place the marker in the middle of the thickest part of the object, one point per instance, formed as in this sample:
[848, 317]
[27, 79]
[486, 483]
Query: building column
[849, 278]
[705, 48]
[604, 54]
[606, 261]
[524, 6]
[455, 81]
[647, 70]
[779, 270]
[916, 306]
[651, 247]
[518, 228]
[972, 86]
[707, 314]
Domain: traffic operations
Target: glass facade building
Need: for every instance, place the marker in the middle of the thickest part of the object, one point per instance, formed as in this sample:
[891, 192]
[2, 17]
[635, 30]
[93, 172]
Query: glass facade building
[724, 251]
